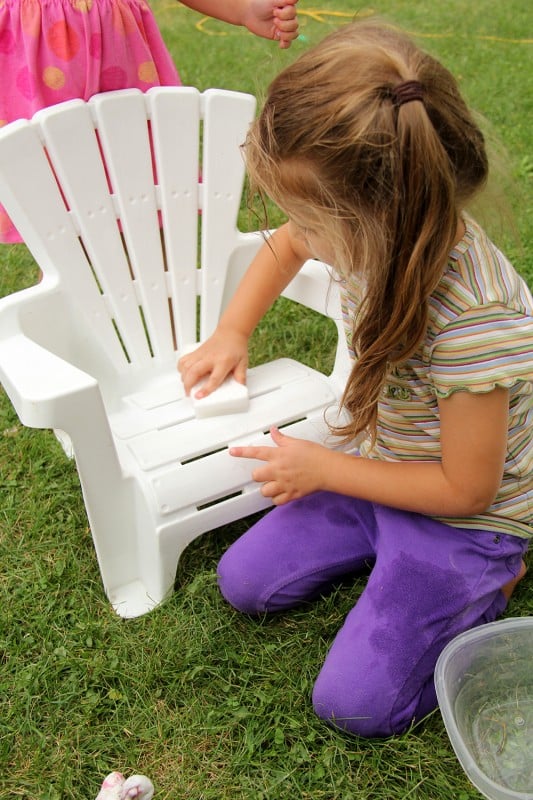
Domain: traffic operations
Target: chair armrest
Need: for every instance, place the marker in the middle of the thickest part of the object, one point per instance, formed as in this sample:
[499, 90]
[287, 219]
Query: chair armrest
[41, 385]
[315, 287]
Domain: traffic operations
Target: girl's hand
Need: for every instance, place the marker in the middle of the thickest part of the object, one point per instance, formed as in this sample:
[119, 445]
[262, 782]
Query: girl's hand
[273, 19]
[224, 353]
[293, 469]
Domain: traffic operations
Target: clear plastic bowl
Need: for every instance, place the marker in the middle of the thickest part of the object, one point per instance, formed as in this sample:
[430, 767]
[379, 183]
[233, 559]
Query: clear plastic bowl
[484, 683]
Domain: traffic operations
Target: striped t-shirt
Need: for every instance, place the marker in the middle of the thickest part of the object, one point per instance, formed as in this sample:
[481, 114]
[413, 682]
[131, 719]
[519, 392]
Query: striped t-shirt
[480, 335]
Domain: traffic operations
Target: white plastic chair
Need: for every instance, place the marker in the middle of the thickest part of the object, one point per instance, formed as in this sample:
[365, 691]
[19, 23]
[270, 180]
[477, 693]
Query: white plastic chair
[107, 196]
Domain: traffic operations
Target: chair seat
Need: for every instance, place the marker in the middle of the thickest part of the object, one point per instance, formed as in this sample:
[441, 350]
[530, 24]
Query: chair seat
[185, 459]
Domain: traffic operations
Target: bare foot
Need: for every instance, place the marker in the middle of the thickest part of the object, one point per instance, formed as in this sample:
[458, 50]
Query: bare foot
[508, 588]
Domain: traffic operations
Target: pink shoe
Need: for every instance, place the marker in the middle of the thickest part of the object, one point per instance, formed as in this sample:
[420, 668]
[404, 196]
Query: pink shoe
[111, 787]
[137, 786]
[115, 787]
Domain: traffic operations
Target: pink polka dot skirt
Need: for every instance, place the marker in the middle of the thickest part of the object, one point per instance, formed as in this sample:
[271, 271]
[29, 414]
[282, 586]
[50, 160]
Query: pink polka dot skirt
[55, 50]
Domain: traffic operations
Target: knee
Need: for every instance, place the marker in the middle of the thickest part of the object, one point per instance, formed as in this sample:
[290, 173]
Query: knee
[364, 710]
[237, 586]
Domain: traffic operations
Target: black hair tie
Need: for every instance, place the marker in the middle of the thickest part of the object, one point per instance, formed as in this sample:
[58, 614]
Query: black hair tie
[407, 92]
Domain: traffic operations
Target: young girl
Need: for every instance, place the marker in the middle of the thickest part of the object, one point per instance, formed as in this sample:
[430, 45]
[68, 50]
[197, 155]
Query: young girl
[55, 50]
[367, 145]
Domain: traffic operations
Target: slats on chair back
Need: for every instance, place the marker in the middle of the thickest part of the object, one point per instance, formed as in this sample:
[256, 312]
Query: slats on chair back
[227, 116]
[176, 125]
[117, 212]
[127, 270]
[124, 137]
[30, 192]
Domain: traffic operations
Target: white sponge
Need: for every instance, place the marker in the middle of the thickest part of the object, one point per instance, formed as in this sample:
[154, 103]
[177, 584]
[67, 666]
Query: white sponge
[231, 397]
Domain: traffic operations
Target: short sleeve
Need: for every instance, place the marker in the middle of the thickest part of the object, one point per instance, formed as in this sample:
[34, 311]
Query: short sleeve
[484, 347]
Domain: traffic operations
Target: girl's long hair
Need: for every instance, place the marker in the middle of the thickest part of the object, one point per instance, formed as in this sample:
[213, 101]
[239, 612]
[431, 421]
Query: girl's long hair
[383, 184]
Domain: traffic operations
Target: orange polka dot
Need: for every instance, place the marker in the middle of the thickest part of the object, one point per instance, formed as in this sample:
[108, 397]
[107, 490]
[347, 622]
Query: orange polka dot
[82, 5]
[54, 78]
[123, 19]
[147, 72]
[63, 40]
[30, 18]
[3, 122]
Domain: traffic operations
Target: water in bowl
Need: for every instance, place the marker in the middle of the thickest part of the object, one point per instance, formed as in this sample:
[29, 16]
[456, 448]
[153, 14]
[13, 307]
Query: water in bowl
[494, 713]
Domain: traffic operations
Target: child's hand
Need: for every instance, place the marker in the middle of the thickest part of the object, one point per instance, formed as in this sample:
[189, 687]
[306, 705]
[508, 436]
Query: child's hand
[224, 353]
[293, 469]
[273, 19]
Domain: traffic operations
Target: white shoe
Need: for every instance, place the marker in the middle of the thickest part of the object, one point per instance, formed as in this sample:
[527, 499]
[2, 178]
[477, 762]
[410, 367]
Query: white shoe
[116, 787]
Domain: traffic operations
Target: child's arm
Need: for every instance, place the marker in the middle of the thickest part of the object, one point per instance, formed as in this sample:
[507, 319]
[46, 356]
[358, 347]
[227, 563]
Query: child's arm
[271, 19]
[226, 351]
[463, 483]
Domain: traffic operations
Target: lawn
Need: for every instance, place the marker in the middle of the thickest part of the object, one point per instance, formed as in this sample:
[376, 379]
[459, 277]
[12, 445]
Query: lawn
[211, 704]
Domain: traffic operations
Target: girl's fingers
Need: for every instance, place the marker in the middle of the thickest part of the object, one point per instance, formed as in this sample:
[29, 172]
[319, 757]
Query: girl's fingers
[190, 376]
[259, 453]
[286, 13]
[217, 375]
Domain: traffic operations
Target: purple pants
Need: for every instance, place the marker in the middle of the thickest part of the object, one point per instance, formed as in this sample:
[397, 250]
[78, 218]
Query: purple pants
[428, 583]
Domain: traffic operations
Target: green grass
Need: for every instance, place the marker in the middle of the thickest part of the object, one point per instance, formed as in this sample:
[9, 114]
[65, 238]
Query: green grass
[211, 704]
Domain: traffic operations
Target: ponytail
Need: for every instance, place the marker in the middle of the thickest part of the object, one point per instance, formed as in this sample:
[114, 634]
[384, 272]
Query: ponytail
[371, 135]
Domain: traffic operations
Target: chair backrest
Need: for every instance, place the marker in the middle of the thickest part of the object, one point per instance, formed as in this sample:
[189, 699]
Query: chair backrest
[135, 182]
